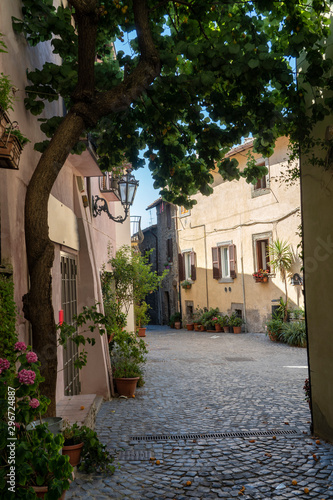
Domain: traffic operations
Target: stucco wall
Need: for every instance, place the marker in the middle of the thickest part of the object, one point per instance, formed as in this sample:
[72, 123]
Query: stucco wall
[231, 214]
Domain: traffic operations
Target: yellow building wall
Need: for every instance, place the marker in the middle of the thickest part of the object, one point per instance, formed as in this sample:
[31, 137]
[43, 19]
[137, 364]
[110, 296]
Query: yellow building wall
[231, 214]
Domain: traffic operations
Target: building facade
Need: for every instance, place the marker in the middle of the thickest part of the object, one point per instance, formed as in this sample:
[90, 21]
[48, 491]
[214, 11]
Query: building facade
[81, 241]
[223, 240]
[162, 237]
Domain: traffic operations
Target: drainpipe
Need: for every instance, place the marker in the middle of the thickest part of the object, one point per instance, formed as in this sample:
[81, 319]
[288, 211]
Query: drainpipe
[204, 226]
[243, 284]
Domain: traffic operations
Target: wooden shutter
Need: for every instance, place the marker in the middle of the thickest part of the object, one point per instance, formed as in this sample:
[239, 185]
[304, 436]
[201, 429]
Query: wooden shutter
[216, 263]
[169, 250]
[193, 266]
[168, 214]
[181, 267]
[232, 261]
[259, 255]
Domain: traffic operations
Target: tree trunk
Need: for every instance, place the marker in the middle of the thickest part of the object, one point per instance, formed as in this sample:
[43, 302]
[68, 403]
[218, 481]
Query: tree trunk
[38, 307]
[89, 106]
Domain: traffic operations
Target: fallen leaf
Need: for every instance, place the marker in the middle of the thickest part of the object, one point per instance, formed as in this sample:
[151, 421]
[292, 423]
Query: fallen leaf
[188, 483]
[318, 442]
[157, 462]
[252, 440]
[274, 437]
[268, 455]
[82, 408]
[306, 490]
[294, 482]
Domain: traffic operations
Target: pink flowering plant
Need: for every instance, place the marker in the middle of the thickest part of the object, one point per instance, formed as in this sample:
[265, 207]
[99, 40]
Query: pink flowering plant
[35, 451]
[22, 378]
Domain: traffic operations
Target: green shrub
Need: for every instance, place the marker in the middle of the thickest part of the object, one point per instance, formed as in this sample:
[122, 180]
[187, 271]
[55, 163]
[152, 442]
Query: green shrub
[294, 333]
[207, 318]
[8, 335]
[274, 328]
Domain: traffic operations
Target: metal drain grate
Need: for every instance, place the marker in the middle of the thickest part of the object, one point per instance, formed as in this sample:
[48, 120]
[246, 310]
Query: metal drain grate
[177, 437]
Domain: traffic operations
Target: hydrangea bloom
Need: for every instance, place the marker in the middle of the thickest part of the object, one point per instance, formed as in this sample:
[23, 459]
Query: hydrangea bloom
[34, 403]
[4, 364]
[20, 346]
[26, 377]
[31, 357]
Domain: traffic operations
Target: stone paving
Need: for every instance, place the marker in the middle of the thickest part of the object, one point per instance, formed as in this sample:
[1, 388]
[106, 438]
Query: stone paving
[198, 384]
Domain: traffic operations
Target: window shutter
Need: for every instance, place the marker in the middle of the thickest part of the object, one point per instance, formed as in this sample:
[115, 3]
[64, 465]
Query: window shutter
[232, 261]
[216, 263]
[168, 213]
[259, 255]
[181, 267]
[169, 249]
[193, 266]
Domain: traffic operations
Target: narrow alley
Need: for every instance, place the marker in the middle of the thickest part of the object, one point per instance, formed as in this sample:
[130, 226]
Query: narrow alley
[220, 416]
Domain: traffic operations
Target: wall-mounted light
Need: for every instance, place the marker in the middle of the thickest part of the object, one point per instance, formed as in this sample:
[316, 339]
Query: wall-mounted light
[127, 187]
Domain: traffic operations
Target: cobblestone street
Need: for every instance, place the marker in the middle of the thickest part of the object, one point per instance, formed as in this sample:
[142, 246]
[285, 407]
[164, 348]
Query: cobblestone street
[224, 415]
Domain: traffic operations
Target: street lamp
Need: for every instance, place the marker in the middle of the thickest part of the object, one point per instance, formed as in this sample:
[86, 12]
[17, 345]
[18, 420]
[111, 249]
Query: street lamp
[126, 190]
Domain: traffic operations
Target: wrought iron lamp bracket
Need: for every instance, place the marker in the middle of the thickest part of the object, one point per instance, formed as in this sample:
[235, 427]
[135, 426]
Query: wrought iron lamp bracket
[98, 209]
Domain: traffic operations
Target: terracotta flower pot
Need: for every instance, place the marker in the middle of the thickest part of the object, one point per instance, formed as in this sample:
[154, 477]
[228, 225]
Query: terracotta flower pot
[197, 327]
[177, 325]
[142, 332]
[265, 279]
[218, 328]
[237, 329]
[226, 329]
[74, 453]
[190, 326]
[126, 386]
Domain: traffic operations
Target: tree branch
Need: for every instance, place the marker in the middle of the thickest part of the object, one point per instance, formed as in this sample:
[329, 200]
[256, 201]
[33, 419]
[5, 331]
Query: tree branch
[149, 67]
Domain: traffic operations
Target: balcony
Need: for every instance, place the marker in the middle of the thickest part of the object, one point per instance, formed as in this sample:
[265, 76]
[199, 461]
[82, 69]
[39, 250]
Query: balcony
[137, 236]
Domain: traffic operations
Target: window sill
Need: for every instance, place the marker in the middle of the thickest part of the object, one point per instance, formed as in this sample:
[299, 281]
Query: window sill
[226, 280]
[260, 192]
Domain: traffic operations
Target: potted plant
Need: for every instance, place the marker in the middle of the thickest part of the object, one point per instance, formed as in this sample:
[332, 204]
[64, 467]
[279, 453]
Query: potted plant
[127, 355]
[186, 284]
[175, 320]
[196, 317]
[188, 320]
[216, 321]
[40, 467]
[141, 317]
[236, 323]
[73, 442]
[225, 323]
[261, 276]
[273, 327]
[207, 318]
[82, 444]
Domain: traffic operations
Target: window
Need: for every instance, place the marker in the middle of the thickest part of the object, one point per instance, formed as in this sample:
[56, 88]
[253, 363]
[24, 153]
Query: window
[168, 214]
[261, 243]
[169, 250]
[187, 266]
[224, 261]
[183, 212]
[262, 185]
[225, 265]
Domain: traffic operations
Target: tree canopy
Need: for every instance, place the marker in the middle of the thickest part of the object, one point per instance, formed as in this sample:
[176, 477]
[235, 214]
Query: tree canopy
[200, 75]
[217, 71]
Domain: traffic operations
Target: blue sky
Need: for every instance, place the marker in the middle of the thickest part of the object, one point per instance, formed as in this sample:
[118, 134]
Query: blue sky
[145, 195]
